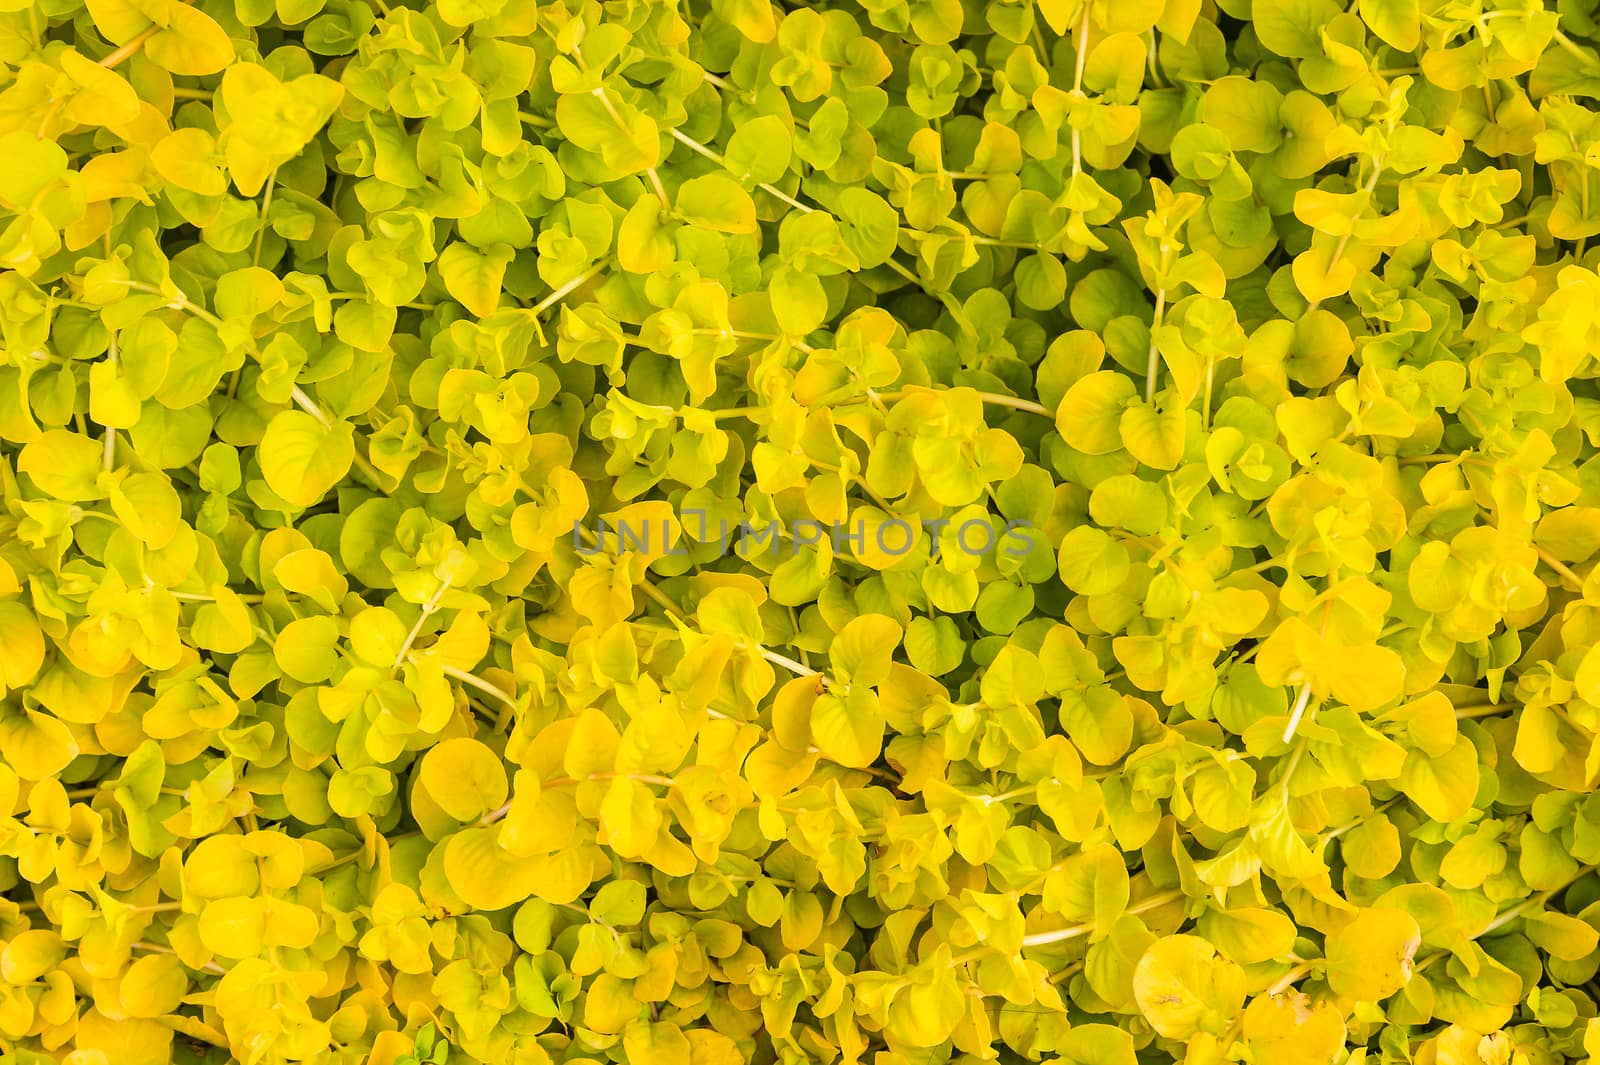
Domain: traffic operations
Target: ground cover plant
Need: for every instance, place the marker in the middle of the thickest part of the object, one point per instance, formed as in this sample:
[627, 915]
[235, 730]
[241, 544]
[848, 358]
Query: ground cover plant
[719, 533]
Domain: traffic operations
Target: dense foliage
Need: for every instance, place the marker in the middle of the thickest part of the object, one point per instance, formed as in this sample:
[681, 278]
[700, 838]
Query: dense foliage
[341, 722]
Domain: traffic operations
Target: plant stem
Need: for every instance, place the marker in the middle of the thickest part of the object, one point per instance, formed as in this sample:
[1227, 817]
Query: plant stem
[1082, 45]
[1152, 367]
[1300, 704]
[856, 479]
[109, 461]
[771, 190]
[1505, 918]
[157, 948]
[428, 609]
[995, 399]
[1288, 979]
[1154, 902]
[309, 405]
[1571, 46]
[660, 189]
[1344, 241]
[266, 205]
[797, 668]
[1561, 568]
[561, 293]
[132, 47]
[477, 682]
[1466, 713]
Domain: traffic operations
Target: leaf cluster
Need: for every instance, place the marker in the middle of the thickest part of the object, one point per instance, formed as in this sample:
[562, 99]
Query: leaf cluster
[334, 332]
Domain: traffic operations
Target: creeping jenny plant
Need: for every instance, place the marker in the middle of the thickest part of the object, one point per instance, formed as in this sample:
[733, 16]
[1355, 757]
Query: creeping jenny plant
[341, 340]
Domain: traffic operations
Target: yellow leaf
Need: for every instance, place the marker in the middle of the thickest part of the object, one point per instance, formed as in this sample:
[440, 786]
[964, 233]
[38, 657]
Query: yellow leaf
[303, 459]
[464, 777]
[192, 44]
[30, 955]
[221, 867]
[1153, 436]
[270, 121]
[1289, 1030]
[154, 986]
[36, 745]
[474, 277]
[185, 157]
[1249, 935]
[116, 176]
[234, 927]
[21, 646]
[103, 97]
[126, 1041]
[1370, 958]
[1183, 987]
[484, 874]
[862, 651]
[630, 818]
[848, 728]
[119, 21]
[658, 1043]
[1060, 14]
[1089, 416]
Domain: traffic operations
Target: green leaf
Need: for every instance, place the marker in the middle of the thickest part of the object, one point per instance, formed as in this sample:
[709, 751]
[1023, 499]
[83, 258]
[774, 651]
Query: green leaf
[870, 227]
[1291, 28]
[759, 150]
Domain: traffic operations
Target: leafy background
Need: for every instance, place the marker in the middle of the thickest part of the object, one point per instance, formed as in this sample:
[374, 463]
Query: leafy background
[322, 739]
